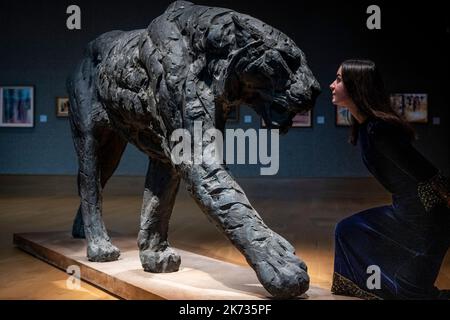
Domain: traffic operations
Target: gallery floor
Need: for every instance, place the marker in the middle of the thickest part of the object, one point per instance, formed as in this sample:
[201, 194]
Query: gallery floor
[304, 211]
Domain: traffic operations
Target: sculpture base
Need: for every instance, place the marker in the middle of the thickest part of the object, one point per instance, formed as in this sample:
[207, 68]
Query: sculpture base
[199, 277]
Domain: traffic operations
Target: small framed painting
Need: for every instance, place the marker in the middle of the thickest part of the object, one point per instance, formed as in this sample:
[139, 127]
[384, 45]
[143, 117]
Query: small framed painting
[302, 120]
[413, 107]
[62, 107]
[343, 117]
[16, 106]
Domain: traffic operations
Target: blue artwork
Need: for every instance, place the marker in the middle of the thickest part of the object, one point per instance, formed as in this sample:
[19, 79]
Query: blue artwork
[16, 107]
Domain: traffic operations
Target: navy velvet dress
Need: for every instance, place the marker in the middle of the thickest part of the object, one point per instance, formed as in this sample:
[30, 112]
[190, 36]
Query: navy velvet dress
[407, 240]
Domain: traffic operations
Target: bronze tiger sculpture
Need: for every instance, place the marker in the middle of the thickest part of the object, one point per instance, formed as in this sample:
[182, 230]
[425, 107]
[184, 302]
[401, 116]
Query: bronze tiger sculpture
[191, 64]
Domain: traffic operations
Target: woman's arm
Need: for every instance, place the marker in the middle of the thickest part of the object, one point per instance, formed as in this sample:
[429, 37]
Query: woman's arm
[433, 187]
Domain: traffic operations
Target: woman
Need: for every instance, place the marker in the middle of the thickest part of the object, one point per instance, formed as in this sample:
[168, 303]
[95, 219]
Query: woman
[403, 243]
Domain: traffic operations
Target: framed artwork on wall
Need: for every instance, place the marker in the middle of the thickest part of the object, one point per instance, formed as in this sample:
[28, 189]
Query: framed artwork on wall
[302, 120]
[17, 106]
[343, 117]
[413, 107]
[62, 107]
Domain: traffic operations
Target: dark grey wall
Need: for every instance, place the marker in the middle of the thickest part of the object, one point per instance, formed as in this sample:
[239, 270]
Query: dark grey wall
[37, 49]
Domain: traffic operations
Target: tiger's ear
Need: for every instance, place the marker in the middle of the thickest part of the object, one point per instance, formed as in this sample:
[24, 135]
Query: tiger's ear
[244, 32]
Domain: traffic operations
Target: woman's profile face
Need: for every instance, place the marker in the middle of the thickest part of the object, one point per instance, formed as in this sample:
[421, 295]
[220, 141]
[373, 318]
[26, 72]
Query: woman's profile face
[340, 95]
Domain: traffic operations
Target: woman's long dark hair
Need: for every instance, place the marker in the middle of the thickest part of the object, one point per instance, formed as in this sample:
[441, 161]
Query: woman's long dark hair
[365, 87]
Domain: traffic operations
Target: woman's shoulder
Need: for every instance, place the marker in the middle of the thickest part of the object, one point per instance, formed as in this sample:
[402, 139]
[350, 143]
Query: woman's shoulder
[378, 128]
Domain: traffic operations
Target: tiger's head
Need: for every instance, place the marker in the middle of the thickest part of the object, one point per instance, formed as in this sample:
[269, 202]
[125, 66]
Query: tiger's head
[268, 72]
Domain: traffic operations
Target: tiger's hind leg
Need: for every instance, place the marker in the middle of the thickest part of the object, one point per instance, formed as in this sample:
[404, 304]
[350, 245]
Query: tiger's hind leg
[87, 123]
[111, 150]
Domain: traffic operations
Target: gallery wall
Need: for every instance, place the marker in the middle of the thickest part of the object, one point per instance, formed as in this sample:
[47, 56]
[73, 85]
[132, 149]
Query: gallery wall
[38, 50]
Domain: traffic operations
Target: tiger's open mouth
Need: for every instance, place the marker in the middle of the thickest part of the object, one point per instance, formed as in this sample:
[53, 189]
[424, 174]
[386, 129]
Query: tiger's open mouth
[285, 107]
[282, 127]
[278, 103]
[279, 117]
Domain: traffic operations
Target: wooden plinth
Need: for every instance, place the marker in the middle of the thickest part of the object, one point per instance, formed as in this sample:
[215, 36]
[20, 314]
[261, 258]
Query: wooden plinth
[199, 277]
